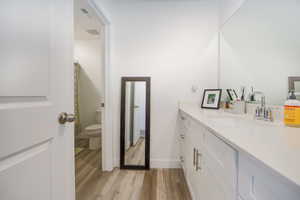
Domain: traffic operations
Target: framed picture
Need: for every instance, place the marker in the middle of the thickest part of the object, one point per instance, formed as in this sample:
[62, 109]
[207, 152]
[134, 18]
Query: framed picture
[232, 94]
[211, 98]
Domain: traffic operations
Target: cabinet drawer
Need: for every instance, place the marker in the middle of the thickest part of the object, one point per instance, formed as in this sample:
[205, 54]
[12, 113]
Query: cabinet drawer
[257, 182]
[184, 120]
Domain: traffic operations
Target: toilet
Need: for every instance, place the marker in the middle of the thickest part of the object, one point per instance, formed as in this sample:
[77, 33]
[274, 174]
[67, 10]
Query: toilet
[93, 132]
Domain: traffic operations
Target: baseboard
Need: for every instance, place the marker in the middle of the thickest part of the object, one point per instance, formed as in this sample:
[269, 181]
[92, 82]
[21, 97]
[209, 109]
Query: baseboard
[160, 163]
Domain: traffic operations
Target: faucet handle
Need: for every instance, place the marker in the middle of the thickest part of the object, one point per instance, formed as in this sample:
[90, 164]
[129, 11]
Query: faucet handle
[269, 115]
[257, 112]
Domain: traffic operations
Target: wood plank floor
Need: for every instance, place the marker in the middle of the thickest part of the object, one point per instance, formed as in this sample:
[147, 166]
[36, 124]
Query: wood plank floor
[156, 184]
[135, 155]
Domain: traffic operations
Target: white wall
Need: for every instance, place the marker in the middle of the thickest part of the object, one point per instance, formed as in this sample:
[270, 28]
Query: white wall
[260, 47]
[88, 54]
[228, 9]
[174, 43]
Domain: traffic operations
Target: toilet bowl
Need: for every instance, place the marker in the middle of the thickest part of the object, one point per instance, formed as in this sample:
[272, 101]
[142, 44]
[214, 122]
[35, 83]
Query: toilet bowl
[93, 132]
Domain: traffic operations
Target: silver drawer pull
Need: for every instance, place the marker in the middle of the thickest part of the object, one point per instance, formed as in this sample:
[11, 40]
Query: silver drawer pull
[199, 161]
[194, 157]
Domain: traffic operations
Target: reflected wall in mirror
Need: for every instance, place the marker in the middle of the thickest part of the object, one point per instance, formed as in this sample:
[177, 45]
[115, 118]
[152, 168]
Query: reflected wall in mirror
[260, 47]
[135, 123]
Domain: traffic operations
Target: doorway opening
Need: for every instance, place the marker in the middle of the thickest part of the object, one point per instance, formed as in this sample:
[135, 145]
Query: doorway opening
[89, 94]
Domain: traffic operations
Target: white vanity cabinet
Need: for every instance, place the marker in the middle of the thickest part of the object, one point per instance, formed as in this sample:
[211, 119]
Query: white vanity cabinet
[183, 140]
[231, 161]
[257, 182]
[209, 164]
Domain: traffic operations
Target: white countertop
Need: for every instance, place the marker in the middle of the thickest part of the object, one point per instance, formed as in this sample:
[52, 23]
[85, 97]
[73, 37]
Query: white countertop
[274, 144]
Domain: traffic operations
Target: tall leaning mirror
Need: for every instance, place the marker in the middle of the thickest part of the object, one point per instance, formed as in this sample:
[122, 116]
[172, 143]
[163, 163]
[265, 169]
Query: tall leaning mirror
[135, 123]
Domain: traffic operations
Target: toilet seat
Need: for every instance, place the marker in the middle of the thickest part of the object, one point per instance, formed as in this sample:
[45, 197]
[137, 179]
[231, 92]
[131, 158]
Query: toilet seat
[93, 127]
[93, 130]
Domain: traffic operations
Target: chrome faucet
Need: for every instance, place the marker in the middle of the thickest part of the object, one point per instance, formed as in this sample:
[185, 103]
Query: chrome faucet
[262, 112]
[263, 98]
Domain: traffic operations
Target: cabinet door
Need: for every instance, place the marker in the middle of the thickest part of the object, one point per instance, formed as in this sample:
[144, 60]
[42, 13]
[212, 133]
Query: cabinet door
[205, 184]
[188, 154]
[211, 186]
[257, 182]
[196, 174]
[216, 178]
[221, 165]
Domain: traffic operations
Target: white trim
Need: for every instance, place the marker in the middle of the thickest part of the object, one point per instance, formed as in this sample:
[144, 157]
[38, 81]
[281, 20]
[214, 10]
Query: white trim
[165, 164]
[107, 133]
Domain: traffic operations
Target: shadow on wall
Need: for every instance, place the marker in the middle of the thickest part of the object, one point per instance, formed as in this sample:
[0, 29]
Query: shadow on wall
[89, 99]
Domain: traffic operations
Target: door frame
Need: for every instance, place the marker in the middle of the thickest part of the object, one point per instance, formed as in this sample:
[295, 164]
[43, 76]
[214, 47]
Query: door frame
[107, 129]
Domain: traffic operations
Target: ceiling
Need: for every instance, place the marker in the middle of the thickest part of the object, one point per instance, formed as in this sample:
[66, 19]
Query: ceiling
[86, 24]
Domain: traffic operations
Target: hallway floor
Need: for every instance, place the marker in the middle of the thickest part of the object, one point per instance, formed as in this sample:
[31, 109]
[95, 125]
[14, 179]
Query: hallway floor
[156, 184]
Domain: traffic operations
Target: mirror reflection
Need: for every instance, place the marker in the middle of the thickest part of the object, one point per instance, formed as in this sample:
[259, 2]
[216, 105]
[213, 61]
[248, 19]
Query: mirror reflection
[260, 48]
[135, 122]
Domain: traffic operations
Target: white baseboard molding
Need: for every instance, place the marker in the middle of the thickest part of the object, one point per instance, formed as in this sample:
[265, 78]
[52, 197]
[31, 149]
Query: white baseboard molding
[162, 164]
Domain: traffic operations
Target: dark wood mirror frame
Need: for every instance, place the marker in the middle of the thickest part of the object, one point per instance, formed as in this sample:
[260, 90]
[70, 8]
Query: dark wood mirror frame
[147, 80]
[292, 81]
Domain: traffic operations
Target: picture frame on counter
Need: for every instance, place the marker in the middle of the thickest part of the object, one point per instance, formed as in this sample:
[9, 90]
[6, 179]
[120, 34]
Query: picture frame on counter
[211, 98]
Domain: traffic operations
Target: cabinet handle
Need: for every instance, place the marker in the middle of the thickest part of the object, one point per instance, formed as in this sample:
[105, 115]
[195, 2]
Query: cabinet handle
[181, 159]
[181, 136]
[194, 157]
[198, 166]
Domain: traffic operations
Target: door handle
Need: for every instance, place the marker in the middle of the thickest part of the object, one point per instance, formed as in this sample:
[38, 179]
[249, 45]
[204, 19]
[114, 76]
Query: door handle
[136, 106]
[65, 117]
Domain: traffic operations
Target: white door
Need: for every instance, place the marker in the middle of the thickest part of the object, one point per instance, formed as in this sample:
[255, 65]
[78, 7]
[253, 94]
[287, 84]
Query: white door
[36, 152]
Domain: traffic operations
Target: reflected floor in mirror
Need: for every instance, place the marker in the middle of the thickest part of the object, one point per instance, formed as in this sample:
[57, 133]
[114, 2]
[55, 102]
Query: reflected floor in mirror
[156, 184]
[135, 155]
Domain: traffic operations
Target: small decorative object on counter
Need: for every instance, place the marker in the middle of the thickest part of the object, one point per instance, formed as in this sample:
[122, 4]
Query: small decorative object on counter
[292, 111]
[211, 98]
[236, 107]
[243, 94]
[232, 94]
[251, 97]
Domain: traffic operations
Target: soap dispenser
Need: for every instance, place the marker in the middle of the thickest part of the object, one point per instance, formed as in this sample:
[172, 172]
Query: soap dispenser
[292, 111]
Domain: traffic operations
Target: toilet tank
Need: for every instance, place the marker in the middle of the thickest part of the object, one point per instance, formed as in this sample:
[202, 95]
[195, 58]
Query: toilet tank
[98, 116]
